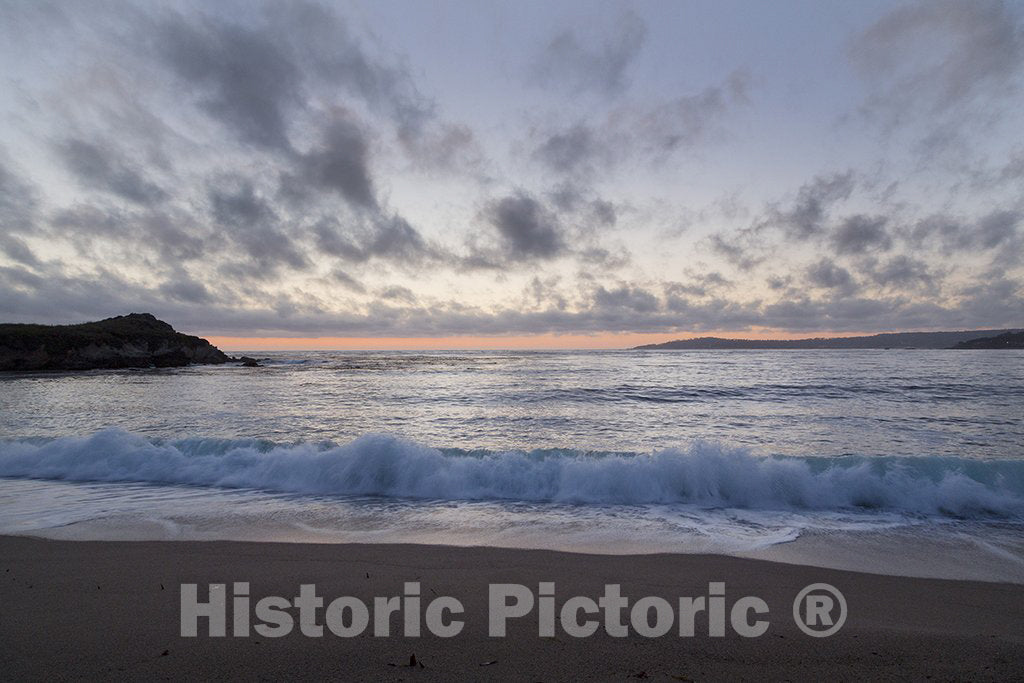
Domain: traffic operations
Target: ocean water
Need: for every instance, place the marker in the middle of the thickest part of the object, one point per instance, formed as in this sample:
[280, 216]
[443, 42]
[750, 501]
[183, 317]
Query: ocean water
[894, 461]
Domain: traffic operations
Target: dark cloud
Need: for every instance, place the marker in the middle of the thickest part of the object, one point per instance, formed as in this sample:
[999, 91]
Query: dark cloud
[186, 290]
[325, 49]
[807, 215]
[341, 163]
[253, 225]
[952, 234]
[347, 281]
[700, 285]
[396, 240]
[170, 236]
[15, 249]
[254, 77]
[605, 258]
[526, 228]
[102, 168]
[569, 62]
[902, 272]
[604, 212]
[240, 76]
[82, 224]
[739, 249]
[627, 297]
[861, 234]
[997, 229]
[18, 201]
[828, 275]
[397, 293]
[331, 239]
[388, 238]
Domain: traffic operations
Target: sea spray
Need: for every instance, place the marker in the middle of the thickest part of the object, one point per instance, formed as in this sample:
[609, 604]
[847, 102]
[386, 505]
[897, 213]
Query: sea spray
[704, 474]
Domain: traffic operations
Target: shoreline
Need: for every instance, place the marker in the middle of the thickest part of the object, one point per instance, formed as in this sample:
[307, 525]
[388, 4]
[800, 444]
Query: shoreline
[905, 554]
[113, 607]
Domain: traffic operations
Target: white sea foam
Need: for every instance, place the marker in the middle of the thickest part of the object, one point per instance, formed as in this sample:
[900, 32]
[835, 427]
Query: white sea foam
[703, 474]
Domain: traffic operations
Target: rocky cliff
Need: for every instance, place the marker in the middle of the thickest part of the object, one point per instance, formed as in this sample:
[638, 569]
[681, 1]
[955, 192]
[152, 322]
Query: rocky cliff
[137, 340]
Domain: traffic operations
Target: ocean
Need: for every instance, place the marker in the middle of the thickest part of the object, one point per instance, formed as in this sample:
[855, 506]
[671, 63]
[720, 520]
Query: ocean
[895, 461]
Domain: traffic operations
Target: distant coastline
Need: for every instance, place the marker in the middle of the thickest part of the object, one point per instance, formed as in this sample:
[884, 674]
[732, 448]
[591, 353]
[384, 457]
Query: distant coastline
[966, 339]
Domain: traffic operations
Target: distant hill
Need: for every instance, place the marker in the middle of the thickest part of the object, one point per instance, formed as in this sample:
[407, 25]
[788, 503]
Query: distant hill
[1007, 340]
[137, 340]
[890, 340]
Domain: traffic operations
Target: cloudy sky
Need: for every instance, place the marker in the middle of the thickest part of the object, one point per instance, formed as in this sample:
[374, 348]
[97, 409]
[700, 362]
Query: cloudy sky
[523, 173]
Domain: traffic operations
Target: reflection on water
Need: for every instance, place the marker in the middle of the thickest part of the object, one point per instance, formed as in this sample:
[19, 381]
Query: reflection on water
[824, 402]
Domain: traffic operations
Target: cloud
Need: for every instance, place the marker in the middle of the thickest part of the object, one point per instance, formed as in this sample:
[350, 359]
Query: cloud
[902, 272]
[397, 293]
[572, 150]
[447, 147]
[927, 57]
[18, 200]
[104, 169]
[341, 163]
[14, 248]
[581, 65]
[624, 306]
[807, 215]
[739, 248]
[396, 240]
[860, 234]
[652, 131]
[525, 227]
[997, 228]
[826, 274]
[239, 75]
[252, 224]
[347, 281]
[186, 290]
[390, 238]
[626, 297]
[952, 234]
[270, 168]
[687, 119]
[326, 49]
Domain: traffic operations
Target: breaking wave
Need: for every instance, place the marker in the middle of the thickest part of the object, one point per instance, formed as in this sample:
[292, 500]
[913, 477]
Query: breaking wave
[704, 474]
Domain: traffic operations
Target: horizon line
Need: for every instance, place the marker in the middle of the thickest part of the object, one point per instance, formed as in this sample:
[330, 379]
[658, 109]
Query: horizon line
[536, 342]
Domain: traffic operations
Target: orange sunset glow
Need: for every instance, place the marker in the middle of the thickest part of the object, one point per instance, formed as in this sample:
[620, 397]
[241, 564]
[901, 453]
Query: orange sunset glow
[539, 341]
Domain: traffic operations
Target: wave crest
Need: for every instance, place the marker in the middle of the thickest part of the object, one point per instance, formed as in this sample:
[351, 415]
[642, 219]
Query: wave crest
[704, 474]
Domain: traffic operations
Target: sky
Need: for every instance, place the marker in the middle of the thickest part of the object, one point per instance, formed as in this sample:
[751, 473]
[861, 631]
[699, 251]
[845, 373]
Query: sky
[513, 174]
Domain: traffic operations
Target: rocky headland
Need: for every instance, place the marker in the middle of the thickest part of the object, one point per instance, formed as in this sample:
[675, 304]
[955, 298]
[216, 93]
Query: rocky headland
[1007, 340]
[137, 340]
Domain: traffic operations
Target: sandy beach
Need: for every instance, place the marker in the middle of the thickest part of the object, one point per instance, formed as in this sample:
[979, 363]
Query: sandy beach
[112, 609]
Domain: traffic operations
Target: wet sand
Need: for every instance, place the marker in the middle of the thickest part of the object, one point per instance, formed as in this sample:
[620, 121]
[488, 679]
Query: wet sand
[112, 610]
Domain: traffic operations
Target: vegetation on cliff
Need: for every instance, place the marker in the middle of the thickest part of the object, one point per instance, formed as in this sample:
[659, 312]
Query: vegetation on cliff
[1007, 340]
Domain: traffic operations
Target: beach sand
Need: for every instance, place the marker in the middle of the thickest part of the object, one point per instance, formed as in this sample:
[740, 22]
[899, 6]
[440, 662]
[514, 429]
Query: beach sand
[111, 610]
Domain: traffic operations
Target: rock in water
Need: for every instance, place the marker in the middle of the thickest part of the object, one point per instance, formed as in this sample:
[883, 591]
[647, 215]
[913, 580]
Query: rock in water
[137, 340]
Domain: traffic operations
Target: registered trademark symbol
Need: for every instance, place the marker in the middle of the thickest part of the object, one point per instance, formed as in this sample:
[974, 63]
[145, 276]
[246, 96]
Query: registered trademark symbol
[819, 610]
